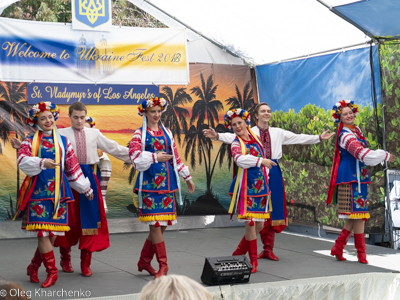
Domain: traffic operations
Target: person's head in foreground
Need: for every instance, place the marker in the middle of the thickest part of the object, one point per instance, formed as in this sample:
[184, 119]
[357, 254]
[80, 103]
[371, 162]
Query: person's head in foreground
[174, 287]
[13, 291]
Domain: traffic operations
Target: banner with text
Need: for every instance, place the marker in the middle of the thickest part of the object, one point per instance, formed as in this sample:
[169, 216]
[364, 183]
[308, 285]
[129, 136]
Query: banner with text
[53, 52]
[104, 94]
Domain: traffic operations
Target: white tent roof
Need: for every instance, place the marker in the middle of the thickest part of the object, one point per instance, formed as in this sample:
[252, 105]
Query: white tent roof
[260, 31]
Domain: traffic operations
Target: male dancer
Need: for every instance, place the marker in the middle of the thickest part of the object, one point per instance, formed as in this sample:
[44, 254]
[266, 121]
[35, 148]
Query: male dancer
[104, 166]
[272, 139]
[88, 222]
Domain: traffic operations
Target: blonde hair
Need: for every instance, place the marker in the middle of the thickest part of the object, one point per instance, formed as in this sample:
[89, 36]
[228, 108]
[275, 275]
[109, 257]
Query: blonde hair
[13, 291]
[174, 287]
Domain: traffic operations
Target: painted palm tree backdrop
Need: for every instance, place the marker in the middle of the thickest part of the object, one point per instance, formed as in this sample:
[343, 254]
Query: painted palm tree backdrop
[13, 110]
[13, 113]
[175, 117]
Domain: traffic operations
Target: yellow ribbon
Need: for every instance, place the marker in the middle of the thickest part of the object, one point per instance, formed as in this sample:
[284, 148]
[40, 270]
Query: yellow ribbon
[135, 202]
[57, 174]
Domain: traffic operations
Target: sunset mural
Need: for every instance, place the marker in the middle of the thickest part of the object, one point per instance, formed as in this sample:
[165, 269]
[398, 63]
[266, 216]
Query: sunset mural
[118, 122]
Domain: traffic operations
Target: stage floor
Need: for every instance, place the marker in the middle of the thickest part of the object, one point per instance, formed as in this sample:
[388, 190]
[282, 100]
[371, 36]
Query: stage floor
[115, 271]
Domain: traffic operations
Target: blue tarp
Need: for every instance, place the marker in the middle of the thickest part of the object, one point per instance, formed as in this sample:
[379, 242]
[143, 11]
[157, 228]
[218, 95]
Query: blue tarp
[322, 80]
[381, 18]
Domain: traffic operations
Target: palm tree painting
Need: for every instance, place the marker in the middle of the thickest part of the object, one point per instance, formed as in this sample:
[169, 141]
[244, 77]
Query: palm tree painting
[243, 100]
[13, 110]
[13, 113]
[175, 116]
[197, 146]
[206, 107]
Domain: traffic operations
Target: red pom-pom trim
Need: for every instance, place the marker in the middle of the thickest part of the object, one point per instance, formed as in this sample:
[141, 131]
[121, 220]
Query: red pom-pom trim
[251, 222]
[169, 222]
[40, 234]
[51, 234]
[157, 224]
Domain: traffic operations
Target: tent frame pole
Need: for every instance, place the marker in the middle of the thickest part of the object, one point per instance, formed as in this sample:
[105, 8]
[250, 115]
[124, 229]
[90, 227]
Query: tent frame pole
[317, 53]
[336, 12]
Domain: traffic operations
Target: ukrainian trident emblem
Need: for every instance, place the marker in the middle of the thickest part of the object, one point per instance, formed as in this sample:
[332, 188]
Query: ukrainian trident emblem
[92, 12]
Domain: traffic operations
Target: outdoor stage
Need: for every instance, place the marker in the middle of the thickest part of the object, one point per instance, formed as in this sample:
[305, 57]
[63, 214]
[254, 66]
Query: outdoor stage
[303, 272]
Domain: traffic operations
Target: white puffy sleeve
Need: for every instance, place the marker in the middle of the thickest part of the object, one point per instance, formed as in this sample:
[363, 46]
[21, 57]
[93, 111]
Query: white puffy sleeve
[226, 137]
[141, 160]
[244, 161]
[290, 138]
[31, 166]
[369, 157]
[112, 147]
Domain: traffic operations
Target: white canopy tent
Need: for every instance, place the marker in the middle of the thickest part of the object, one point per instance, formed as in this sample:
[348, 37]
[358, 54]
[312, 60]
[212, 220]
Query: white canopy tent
[260, 31]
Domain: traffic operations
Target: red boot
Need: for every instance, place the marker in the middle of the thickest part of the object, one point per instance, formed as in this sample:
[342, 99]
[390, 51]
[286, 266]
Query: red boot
[86, 258]
[268, 239]
[340, 243]
[146, 257]
[241, 248]
[49, 262]
[65, 262]
[33, 267]
[252, 247]
[359, 242]
[161, 254]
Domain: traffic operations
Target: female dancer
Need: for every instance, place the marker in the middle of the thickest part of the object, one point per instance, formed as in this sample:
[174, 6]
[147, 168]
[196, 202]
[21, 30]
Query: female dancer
[250, 185]
[51, 167]
[154, 153]
[350, 176]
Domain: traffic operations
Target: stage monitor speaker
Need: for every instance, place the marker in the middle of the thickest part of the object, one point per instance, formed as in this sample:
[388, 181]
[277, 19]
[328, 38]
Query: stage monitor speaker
[226, 270]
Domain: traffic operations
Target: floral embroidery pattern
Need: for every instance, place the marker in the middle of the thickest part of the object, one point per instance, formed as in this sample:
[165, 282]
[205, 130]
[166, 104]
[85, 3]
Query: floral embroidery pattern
[263, 202]
[359, 201]
[49, 188]
[159, 181]
[149, 202]
[62, 211]
[167, 201]
[38, 210]
[157, 144]
[258, 184]
[48, 145]
[253, 151]
[251, 203]
[364, 172]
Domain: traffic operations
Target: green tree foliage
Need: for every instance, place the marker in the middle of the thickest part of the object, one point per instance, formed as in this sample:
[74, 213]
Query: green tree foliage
[390, 67]
[124, 13]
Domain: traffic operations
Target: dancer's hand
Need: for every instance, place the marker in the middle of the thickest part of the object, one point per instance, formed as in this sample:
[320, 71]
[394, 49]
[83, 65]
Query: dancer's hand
[50, 164]
[392, 158]
[190, 185]
[163, 156]
[15, 143]
[326, 135]
[90, 197]
[210, 133]
[268, 163]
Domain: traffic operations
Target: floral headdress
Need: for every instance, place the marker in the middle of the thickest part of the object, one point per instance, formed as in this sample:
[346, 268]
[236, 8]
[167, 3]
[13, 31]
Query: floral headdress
[90, 121]
[236, 112]
[149, 103]
[338, 107]
[41, 107]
